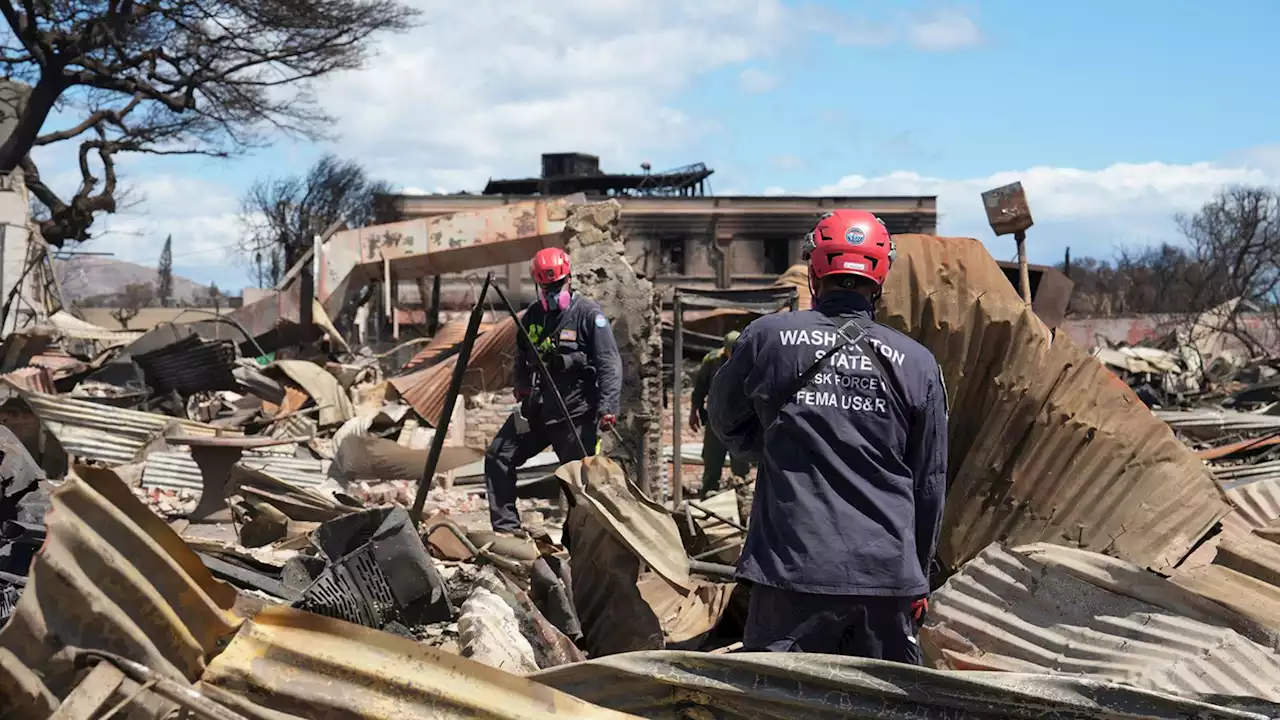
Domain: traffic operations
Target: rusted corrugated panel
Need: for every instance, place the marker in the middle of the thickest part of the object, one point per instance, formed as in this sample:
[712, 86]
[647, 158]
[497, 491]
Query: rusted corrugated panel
[1046, 444]
[105, 434]
[760, 686]
[32, 379]
[1018, 611]
[111, 576]
[289, 661]
[489, 368]
[448, 336]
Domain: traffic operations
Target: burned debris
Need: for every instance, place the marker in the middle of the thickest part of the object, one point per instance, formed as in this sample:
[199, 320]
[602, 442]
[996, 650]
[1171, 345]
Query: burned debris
[256, 520]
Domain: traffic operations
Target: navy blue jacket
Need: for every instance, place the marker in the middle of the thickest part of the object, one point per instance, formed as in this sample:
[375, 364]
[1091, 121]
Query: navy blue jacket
[579, 349]
[852, 480]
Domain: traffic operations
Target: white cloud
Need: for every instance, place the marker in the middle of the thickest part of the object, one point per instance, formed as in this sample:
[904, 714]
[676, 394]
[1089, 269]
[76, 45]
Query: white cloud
[202, 217]
[943, 30]
[788, 162]
[482, 88]
[1092, 211]
[755, 80]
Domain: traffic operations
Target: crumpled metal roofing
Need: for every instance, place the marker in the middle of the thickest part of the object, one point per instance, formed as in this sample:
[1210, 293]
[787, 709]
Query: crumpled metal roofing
[32, 379]
[111, 576]
[445, 339]
[176, 469]
[1046, 443]
[489, 368]
[670, 684]
[106, 434]
[1023, 610]
[1211, 423]
[308, 666]
[322, 386]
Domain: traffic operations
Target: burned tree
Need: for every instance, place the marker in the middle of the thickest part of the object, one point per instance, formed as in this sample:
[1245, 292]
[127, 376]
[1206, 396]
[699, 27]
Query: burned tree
[164, 273]
[1235, 237]
[135, 297]
[282, 217]
[169, 77]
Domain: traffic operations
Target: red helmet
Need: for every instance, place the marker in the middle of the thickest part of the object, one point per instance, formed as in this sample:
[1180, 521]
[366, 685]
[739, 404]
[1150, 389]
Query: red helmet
[549, 265]
[850, 242]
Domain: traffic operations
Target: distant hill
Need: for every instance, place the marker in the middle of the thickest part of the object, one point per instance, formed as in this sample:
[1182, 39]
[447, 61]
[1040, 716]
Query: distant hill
[86, 277]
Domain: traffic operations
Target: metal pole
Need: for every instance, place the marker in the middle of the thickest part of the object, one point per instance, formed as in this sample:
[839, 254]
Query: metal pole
[1024, 274]
[450, 400]
[522, 341]
[677, 400]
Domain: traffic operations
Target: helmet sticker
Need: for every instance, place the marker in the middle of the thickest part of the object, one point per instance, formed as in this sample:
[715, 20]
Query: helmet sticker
[854, 235]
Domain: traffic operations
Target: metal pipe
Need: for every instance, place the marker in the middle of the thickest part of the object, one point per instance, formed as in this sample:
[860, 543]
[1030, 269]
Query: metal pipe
[698, 506]
[183, 695]
[522, 341]
[457, 532]
[736, 542]
[450, 400]
[712, 569]
[677, 400]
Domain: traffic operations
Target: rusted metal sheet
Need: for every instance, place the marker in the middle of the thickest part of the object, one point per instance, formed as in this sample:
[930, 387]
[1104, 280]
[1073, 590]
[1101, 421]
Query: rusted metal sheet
[111, 576]
[1046, 444]
[105, 434]
[1007, 209]
[31, 379]
[1054, 610]
[764, 686]
[445, 339]
[489, 369]
[305, 665]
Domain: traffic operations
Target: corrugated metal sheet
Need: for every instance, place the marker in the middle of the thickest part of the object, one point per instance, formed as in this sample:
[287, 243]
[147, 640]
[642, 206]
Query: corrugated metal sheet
[1253, 490]
[1046, 444]
[445, 339]
[177, 470]
[812, 687]
[191, 365]
[32, 379]
[105, 434]
[1208, 424]
[1007, 610]
[288, 661]
[489, 368]
[111, 576]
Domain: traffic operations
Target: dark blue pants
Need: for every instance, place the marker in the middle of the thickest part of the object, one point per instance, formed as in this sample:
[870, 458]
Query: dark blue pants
[881, 628]
[509, 450]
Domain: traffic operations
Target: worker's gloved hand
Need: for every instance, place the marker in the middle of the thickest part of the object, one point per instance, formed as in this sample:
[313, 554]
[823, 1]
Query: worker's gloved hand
[522, 393]
[920, 610]
[695, 422]
[608, 422]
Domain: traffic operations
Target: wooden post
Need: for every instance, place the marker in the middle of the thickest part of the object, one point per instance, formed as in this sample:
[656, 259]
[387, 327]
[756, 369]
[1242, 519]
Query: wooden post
[1024, 275]
[677, 400]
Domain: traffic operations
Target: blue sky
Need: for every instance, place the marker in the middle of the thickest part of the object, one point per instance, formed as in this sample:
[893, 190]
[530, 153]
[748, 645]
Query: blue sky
[1115, 116]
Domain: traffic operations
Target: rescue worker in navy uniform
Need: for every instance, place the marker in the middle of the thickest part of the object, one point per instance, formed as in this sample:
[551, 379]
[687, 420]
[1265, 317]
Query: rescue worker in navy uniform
[852, 476]
[713, 451]
[576, 343]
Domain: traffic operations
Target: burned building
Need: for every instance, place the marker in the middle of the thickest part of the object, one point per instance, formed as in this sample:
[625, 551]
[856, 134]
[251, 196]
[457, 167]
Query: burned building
[677, 232]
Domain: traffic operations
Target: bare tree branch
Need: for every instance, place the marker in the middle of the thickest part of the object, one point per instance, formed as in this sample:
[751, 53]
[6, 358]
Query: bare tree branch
[172, 77]
[282, 216]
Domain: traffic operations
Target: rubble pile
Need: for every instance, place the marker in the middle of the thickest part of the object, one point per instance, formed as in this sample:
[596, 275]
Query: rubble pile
[228, 531]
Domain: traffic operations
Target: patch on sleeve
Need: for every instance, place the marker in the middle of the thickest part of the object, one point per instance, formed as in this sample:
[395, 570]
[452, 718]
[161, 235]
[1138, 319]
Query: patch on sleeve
[569, 335]
[601, 321]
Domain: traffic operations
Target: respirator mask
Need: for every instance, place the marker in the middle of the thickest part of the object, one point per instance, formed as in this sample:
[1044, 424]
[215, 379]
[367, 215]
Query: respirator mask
[555, 296]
